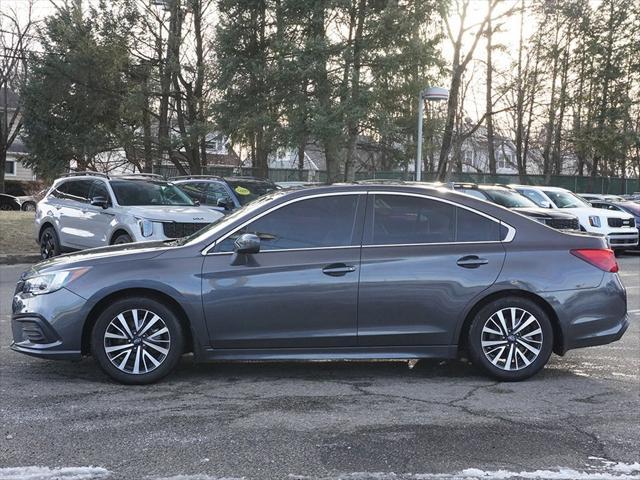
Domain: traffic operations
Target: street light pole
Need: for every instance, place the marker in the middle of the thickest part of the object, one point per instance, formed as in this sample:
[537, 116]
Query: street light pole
[434, 94]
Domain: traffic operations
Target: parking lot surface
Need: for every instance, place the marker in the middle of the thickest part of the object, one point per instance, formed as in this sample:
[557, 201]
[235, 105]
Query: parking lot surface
[579, 418]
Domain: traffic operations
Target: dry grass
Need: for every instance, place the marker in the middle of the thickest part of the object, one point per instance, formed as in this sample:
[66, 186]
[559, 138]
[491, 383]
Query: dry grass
[16, 233]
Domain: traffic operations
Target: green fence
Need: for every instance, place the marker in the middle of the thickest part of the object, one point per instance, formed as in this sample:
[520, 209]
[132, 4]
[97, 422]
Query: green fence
[575, 183]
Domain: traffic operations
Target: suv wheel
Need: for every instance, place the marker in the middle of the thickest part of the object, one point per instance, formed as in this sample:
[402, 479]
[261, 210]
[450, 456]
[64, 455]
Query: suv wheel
[511, 338]
[137, 341]
[122, 238]
[49, 243]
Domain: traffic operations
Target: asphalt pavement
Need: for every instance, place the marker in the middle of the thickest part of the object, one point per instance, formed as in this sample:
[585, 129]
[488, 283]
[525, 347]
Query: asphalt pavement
[578, 419]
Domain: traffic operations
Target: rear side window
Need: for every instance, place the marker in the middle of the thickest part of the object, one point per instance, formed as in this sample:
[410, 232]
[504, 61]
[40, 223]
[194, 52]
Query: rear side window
[76, 190]
[406, 220]
[314, 223]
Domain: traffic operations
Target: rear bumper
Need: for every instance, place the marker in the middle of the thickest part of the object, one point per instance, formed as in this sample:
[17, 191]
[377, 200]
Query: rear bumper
[600, 336]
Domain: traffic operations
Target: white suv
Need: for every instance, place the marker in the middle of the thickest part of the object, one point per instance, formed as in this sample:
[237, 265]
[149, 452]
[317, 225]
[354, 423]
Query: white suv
[619, 228]
[92, 210]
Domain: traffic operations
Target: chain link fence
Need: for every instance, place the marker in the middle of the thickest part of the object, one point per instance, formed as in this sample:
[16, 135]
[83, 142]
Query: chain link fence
[605, 185]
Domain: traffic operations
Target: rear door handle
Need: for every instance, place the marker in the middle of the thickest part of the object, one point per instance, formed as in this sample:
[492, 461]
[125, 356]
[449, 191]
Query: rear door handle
[338, 269]
[471, 261]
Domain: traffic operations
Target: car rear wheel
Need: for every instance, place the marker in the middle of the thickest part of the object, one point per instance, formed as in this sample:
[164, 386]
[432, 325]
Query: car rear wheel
[511, 338]
[28, 207]
[122, 238]
[49, 243]
[137, 341]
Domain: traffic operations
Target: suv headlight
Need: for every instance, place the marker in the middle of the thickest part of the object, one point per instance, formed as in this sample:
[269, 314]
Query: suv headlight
[146, 227]
[594, 221]
[50, 282]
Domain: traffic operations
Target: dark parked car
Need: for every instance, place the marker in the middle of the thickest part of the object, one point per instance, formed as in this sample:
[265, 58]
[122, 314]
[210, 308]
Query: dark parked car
[9, 202]
[509, 198]
[224, 194]
[336, 272]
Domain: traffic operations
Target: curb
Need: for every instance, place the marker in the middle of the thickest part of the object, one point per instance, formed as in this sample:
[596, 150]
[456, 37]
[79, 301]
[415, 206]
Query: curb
[14, 259]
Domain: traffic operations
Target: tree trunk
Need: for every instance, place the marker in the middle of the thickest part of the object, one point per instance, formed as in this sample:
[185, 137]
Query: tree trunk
[489, 103]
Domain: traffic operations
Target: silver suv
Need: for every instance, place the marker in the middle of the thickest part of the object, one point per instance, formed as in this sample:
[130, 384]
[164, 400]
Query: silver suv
[87, 210]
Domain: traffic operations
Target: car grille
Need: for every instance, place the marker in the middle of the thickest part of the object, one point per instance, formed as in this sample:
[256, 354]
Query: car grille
[177, 230]
[621, 222]
[564, 223]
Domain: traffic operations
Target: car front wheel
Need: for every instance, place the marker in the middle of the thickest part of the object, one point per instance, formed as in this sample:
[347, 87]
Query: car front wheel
[137, 340]
[49, 243]
[511, 338]
[122, 238]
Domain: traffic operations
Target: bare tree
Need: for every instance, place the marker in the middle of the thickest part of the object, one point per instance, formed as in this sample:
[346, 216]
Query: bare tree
[14, 41]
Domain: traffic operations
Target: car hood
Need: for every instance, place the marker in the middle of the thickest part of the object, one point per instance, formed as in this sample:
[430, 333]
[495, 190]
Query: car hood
[544, 213]
[129, 252]
[585, 211]
[168, 213]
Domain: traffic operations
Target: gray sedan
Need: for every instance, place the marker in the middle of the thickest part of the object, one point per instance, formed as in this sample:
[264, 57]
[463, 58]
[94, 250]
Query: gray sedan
[335, 272]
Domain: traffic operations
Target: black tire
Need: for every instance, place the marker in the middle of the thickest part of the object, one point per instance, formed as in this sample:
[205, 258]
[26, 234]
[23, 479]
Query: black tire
[122, 238]
[126, 374]
[49, 243]
[28, 207]
[514, 342]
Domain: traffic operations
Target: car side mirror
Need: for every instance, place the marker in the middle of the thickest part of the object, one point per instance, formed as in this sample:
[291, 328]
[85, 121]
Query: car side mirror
[247, 243]
[222, 203]
[100, 201]
[196, 203]
[546, 204]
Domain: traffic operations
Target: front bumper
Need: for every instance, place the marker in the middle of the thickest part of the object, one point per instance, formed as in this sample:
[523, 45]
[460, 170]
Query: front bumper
[48, 326]
[627, 238]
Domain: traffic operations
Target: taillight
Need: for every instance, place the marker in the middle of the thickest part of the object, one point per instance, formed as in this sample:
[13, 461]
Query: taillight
[603, 258]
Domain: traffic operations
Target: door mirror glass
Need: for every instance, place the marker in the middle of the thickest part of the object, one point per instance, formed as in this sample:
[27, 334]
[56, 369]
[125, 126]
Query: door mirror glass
[247, 243]
[100, 201]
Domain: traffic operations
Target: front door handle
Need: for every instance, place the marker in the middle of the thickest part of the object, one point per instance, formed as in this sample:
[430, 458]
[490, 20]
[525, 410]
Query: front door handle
[338, 269]
[471, 261]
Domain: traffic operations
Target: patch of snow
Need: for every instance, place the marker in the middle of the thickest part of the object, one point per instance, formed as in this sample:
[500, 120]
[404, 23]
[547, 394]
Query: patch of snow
[46, 473]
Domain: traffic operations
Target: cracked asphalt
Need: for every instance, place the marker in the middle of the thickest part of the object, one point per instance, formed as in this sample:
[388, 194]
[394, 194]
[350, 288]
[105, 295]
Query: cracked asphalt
[323, 419]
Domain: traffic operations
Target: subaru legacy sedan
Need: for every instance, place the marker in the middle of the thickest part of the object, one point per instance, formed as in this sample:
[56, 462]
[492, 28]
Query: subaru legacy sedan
[394, 271]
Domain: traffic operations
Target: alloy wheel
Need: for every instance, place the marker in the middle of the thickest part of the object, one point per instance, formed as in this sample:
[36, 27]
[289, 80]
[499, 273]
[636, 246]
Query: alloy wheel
[47, 245]
[512, 338]
[137, 341]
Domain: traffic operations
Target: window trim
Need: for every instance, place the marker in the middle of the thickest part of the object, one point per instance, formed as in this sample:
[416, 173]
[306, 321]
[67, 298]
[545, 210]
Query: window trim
[511, 231]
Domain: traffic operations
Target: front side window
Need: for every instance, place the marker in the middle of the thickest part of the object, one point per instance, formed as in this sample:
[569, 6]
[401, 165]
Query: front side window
[535, 197]
[194, 190]
[76, 190]
[136, 192]
[313, 223]
[406, 220]
[508, 198]
[246, 190]
[565, 199]
[98, 189]
[215, 192]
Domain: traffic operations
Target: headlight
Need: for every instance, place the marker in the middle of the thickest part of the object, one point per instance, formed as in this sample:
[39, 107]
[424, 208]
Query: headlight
[146, 227]
[594, 221]
[50, 282]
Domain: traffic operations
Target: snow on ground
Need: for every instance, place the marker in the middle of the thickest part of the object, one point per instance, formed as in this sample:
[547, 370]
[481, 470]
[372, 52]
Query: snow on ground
[46, 473]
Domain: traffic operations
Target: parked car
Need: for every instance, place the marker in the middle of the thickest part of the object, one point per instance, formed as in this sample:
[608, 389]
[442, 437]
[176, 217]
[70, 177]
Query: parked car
[510, 198]
[89, 210]
[619, 227]
[630, 207]
[224, 194]
[589, 197]
[28, 203]
[8, 202]
[334, 272]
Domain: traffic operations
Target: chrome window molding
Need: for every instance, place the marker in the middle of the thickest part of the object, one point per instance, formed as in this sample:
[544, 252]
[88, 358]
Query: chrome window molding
[511, 231]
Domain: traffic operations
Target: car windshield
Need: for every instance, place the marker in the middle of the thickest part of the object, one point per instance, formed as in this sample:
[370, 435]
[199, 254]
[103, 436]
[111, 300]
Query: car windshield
[508, 198]
[138, 192]
[565, 199]
[247, 191]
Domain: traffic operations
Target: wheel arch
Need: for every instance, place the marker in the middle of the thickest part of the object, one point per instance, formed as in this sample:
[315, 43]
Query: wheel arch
[558, 337]
[157, 295]
[47, 223]
[117, 231]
